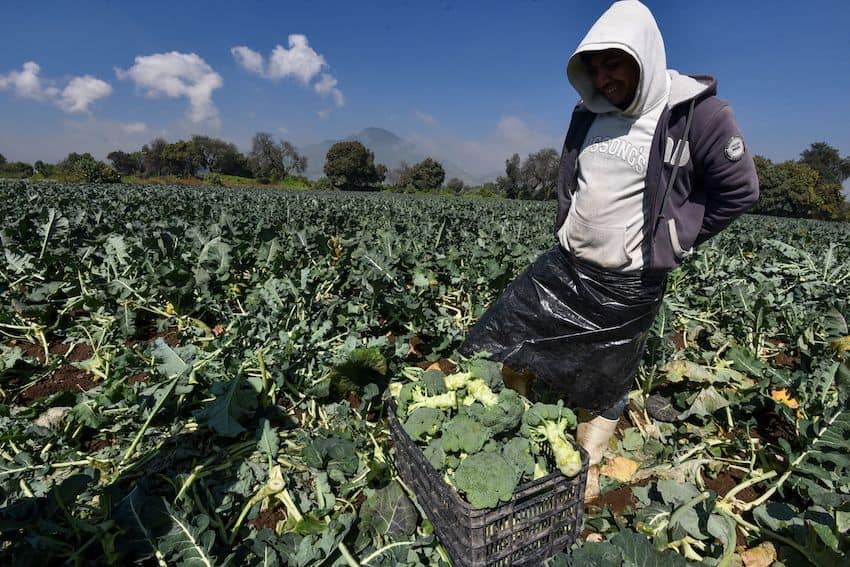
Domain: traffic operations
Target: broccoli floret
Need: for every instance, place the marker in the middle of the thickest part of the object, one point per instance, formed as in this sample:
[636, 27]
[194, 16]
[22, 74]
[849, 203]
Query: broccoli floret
[462, 434]
[435, 454]
[549, 422]
[517, 452]
[424, 422]
[452, 461]
[485, 479]
[504, 416]
[434, 382]
[489, 371]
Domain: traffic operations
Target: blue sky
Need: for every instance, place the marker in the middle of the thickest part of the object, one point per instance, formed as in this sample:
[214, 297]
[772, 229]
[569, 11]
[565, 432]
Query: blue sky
[470, 81]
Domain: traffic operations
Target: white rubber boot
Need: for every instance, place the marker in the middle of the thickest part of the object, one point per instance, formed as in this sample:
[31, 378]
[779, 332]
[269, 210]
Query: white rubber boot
[593, 436]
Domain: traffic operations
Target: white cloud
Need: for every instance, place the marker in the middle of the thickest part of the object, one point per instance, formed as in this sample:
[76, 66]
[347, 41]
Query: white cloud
[78, 94]
[249, 59]
[425, 117]
[133, 127]
[324, 114]
[177, 75]
[327, 85]
[283, 130]
[300, 62]
[81, 92]
[26, 83]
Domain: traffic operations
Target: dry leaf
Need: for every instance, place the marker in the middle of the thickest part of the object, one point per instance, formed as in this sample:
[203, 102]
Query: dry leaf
[218, 329]
[840, 345]
[762, 556]
[621, 468]
[783, 397]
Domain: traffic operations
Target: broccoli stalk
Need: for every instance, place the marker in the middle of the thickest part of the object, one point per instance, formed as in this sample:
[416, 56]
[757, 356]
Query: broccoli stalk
[549, 423]
[419, 399]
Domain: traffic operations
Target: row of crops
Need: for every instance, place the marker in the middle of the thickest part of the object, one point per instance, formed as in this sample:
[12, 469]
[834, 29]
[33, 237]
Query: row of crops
[195, 377]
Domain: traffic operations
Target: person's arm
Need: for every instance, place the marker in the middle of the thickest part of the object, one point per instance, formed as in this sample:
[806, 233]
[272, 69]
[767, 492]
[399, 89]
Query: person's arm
[729, 174]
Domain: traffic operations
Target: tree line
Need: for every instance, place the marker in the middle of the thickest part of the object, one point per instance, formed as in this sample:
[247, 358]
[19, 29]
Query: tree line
[810, 187]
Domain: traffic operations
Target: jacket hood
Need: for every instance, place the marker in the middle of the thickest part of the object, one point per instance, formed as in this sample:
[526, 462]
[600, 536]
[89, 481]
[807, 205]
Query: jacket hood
[629, 26]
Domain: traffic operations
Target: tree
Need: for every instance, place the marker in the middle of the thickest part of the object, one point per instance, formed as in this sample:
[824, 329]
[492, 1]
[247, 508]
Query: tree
[351, 167]
[181, 158]
[152, 156]
[455, 185]
[84, 167]
[824, 159]
[41, 168]
[792, 189]
[539, 175]
[274, 160]
[425, 175]
[2, 160]
[218, 156]
[124, 163]
[510, 185]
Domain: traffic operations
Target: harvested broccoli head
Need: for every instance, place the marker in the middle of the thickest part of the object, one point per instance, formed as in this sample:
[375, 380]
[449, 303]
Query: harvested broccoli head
[434, 382]
[435, 454]
[505, 416]
[486, 479]
[549, 423]
[423, 423]
[489, 371]
[517, 452]
[462, 434]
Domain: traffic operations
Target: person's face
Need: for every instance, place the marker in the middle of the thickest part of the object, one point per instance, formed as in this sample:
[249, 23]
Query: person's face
[615, 74]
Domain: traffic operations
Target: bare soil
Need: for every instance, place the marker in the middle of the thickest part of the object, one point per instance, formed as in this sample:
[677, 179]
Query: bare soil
[66, 378]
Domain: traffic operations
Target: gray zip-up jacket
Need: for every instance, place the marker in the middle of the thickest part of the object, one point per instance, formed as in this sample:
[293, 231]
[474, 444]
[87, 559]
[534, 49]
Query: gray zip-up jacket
[715, 179]
[715, 183]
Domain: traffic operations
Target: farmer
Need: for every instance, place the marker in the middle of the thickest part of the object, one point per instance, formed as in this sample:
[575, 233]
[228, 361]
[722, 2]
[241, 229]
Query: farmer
[653, 165]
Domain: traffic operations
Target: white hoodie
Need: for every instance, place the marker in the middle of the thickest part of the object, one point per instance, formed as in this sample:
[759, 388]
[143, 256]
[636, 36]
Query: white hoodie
[605, 222]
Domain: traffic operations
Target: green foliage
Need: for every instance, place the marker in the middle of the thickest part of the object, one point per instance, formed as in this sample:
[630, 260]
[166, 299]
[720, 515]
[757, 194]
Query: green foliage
[825, 159]
[427, 175]
[84, 167]
[243, 300]
[797, 189]
[274, 160]
[351, 167]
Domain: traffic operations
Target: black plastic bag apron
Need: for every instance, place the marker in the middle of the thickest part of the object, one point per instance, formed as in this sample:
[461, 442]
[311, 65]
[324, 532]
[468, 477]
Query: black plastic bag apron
[578, 329]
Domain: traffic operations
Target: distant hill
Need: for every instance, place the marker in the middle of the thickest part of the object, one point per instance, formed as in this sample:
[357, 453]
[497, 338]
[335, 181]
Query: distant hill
[389, 149]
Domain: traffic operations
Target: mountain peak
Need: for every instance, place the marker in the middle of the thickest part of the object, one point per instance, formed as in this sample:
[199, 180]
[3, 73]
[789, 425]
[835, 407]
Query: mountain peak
[377, 136]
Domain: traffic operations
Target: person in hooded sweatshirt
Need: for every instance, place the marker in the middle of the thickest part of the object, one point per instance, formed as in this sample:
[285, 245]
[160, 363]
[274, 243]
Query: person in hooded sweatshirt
[653, 165]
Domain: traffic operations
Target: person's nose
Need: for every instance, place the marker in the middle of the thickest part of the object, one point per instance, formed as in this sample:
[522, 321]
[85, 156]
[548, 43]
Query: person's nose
[600, 79]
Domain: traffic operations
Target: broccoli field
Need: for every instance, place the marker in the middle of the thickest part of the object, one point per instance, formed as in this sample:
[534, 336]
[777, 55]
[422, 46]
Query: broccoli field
[195, 376]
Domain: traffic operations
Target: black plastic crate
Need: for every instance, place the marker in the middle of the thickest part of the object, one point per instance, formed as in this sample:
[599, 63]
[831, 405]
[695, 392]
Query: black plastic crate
[543, 517]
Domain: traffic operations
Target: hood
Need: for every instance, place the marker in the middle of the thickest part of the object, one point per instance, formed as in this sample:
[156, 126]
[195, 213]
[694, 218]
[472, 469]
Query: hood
[627, 25]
